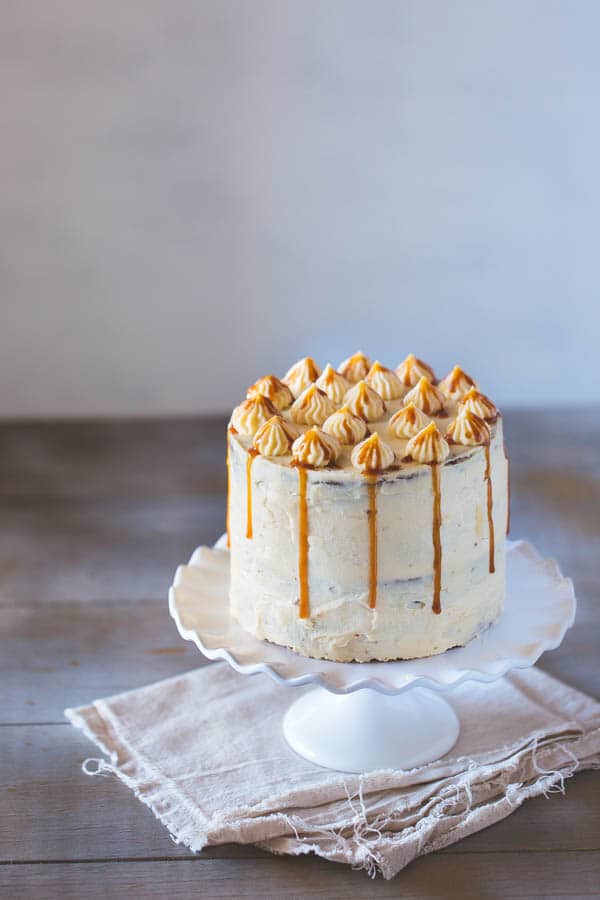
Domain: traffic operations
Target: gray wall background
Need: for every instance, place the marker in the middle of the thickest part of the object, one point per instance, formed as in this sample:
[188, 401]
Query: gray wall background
[197, 192]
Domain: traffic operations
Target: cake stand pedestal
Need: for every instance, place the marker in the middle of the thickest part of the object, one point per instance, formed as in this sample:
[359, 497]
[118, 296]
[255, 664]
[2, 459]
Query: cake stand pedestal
[366, 716]
[367, 730]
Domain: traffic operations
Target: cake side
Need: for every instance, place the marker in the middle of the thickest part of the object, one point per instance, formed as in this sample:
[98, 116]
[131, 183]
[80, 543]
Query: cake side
[375, 585]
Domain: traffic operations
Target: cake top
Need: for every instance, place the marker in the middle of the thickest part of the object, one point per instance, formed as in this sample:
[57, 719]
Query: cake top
[364, 417]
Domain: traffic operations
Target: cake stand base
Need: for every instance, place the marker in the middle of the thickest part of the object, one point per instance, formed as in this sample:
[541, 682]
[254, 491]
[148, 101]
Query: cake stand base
[366, 730]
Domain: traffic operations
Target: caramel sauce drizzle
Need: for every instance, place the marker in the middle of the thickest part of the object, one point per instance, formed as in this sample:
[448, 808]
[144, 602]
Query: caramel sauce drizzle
[304, 608]
[252, 454]
[507, 489]
[436, 606]
[372, 516]
[231, 430]
[490, 505]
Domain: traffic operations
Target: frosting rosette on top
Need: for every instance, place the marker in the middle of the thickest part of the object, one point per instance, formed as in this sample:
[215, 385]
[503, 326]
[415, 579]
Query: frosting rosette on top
[428, 446]
[334, 384]
[251, 414]
[312, 407]
[364, 401]
[315, 449]
[273, 389]
[426, 396]
[407, 422]
[468, 430]
[345, 426]
[456, 384]
[301, 374]
[372, 455]
[355, 368]
[411, 369]
[384, 381]
[275, 437]
[479, 404]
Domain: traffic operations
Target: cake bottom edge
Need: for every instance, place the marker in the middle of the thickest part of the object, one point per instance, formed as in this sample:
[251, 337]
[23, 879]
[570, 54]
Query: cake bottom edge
[361, 649]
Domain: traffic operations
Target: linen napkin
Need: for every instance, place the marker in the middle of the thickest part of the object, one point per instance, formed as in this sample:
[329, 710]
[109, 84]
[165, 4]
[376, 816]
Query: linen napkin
[205, 751]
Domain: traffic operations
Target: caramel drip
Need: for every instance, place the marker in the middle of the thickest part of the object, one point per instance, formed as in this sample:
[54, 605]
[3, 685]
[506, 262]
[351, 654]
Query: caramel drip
[303, 544]
[490, 506]
[436, 606]
[507, 491]
[372, 514]
[231, 430]
[252, 454]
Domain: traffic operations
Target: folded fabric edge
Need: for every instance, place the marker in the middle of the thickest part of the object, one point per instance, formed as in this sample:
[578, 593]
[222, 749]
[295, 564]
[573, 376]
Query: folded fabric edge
[192, 837]
[362, 851]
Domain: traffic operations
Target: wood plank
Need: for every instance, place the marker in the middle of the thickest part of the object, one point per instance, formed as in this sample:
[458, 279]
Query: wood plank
[134, 459]
[51, 810]
[100, 550]
[57, 656]
[567, 876]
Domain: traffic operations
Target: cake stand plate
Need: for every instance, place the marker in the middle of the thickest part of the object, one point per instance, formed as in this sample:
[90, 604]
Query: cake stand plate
[366, 716]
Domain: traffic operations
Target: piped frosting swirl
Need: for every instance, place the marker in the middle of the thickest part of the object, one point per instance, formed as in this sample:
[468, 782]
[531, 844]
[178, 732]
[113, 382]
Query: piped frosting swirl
[411, 369]
[345, 426]
[355, 368]
[384, 381]
[334, 384]
[468, 430]
[364, 401]
[456, 384]
[275, 437]
[315, 449]
[407, 422]
[479, 404]
[372, 455]
[312, 407]
[428, 446]
[302, 373]
[251, 414]
[275, 390]
[426, 396]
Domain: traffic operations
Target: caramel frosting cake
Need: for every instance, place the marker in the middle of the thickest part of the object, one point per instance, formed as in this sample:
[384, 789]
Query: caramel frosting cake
[367, 508]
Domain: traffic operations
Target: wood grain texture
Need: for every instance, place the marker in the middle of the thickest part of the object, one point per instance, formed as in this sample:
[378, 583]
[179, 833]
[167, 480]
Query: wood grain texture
[95, 516]
[567, 876]
[74, 816]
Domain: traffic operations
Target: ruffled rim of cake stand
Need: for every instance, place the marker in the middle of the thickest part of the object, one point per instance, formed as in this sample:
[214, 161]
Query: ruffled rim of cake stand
[540, 607]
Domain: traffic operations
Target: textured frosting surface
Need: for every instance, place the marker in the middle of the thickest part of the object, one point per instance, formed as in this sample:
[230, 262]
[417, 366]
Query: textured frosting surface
[350, 537]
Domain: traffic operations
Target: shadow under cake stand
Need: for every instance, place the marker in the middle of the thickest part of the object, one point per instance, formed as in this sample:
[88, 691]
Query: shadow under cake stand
[365, 716]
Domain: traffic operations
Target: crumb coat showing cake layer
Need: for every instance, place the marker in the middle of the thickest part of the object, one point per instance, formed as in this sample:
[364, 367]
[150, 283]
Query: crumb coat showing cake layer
[357, 552]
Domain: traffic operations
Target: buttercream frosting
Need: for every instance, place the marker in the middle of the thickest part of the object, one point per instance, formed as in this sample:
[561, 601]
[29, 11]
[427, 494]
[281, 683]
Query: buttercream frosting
[275, 437]
[355, 368]
[301, 374]
[428, 446]
[372, 455]
[275, 390]
[385, 382]
[251, 414]
[315, 449]
[407, 422]
[344, 425]
[481, 405]
[426, 396]
[334, 384]
[312, 407]
[468, 429]
[456, 384]
[363, 400]
[411, 369]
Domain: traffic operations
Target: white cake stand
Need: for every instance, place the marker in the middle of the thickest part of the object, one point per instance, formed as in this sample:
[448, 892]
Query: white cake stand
[366, 716]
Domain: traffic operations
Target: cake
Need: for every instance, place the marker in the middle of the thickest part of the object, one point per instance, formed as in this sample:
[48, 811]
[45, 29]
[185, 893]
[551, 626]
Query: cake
[367, 509]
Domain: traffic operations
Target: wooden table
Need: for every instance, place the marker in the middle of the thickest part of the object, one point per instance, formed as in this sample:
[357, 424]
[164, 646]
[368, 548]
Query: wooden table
[95, 518]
